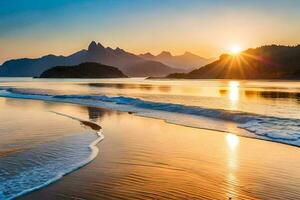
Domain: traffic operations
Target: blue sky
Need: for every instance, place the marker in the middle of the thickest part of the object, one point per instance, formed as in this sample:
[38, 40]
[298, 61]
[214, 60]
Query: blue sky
[31, 28]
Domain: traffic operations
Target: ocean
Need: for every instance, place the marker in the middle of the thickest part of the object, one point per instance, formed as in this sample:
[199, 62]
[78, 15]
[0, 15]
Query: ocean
[41, 140]
[266, 110]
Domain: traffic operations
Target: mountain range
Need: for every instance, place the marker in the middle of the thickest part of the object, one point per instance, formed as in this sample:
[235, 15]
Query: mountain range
[129, 63]
[186, 62]
[266, 62]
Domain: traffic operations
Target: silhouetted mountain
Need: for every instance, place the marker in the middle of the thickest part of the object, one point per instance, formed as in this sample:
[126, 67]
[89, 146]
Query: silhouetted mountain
[84, 70]
[95, 53]
[186, 62]
[147, 56]
[149, 69]
[164, 55]
[115, 57]
[266, 62]
[34, 67]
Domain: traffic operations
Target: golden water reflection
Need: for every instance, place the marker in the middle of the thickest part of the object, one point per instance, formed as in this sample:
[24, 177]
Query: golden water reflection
[232, 141]
[234, 90]
[243, 95]
[232, 164]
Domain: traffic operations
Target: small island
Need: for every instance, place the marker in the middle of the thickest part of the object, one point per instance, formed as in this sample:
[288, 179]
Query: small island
[83, 70]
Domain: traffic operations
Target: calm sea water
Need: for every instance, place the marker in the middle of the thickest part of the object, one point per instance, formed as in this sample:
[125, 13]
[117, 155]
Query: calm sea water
[273, 98]
[267, 110]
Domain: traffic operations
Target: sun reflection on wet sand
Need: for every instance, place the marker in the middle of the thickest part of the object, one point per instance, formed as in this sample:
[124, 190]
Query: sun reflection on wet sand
[232, 143]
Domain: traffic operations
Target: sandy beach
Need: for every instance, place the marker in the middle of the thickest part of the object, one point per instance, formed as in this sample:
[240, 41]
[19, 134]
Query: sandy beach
[143, 158]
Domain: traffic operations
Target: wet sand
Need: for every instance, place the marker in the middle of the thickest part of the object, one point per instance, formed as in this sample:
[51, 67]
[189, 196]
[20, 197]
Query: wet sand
[142, 158]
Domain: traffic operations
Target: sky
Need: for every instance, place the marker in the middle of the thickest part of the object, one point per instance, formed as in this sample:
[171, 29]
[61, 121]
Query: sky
[31, 28]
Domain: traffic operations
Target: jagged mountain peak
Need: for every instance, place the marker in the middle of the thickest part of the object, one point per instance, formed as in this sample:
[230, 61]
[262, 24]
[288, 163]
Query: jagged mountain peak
[187, 53]
[92, 46]
[147, 55]
[164, 54]
[119, 50]
[100, 45]
[95, 46]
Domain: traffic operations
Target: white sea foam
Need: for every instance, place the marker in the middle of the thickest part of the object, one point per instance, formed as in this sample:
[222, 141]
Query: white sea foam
[32, 169]
[282, 130]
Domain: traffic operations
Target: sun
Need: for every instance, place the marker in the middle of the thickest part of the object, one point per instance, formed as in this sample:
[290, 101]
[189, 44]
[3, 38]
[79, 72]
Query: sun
[235, 50]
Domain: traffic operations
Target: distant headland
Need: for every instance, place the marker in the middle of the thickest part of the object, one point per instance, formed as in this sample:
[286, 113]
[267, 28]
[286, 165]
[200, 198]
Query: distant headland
[266, 62]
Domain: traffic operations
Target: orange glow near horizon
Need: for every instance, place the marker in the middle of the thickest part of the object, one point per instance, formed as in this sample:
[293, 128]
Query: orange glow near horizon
[176, 27]
[235, 50]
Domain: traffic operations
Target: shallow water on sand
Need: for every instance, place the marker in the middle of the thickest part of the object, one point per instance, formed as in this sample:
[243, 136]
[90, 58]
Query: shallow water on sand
[142, 158]
[38, 147]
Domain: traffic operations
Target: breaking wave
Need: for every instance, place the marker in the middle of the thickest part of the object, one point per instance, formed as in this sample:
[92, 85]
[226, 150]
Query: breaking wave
[283, 130]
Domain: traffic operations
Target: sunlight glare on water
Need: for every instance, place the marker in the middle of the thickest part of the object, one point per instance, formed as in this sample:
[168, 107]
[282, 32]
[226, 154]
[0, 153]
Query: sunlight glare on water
[232, 141]
[234, 93]
[232, 163]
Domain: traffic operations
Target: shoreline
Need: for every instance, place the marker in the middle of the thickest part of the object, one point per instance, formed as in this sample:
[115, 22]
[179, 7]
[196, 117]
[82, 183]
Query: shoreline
[94, 153]
[98, 178]
[49, 153]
